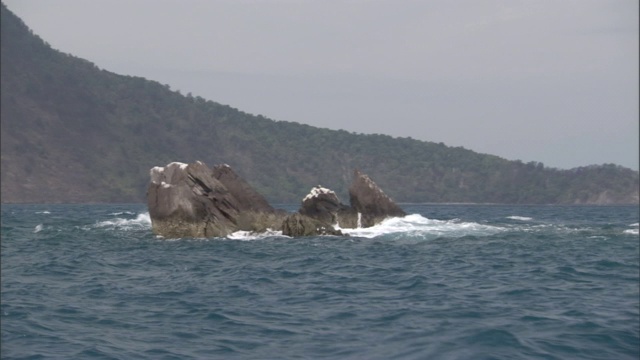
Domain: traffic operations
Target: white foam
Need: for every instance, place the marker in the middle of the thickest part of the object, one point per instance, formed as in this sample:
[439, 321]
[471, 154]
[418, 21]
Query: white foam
[632, 231]
[250, 235]
[43, 212]
[38, 228]
[122, 213]
[521, 218]
[143, 220]
[417, 225]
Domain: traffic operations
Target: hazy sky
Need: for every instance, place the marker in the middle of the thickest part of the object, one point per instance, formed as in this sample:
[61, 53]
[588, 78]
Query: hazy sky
[554, 81]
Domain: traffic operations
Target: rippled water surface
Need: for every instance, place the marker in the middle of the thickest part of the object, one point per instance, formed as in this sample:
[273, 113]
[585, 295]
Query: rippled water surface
[446, 282]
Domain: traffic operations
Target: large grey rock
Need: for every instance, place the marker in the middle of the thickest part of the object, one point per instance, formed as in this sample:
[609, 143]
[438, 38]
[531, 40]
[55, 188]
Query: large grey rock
[322, 204]
[370, 201]
[191, 200]
[317, 215]
[255, 213]
[248, 199]
[297, 225]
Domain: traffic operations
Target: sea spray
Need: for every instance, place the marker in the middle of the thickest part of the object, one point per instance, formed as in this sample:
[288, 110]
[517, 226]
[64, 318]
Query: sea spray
[141, 221]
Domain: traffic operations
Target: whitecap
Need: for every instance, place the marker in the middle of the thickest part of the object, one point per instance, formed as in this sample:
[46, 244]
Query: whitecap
[43, 212]
[521, 218]
[417, 225]
[250, 235]
[143, 220]
[632, 232]
[38, 228]
[122, 213]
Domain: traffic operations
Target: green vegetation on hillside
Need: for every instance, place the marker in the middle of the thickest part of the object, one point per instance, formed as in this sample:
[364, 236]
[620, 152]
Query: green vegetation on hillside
[72, 132]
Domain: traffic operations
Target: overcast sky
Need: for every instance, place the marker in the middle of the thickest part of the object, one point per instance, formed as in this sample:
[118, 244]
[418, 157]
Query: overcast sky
[553, 81]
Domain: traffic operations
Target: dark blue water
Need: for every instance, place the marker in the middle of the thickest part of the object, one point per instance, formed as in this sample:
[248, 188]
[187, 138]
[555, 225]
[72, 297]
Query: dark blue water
[449, 282]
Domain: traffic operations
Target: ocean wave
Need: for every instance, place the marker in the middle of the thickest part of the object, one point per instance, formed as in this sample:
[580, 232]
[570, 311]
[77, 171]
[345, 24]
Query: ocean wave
[416, 225]
[250, 235]
[330, 297]
[142, 220]
[632, 231]
[122, 213]
[413, 225]
[521, 218]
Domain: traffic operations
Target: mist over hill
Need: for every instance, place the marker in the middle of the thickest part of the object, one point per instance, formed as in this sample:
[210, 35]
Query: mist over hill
[72, 132]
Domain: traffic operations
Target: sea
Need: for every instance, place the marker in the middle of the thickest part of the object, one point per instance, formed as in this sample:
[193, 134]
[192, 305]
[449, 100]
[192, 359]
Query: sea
[444, 282]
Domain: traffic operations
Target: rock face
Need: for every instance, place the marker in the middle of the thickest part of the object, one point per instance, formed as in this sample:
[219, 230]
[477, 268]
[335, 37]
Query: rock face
[191, 200]
[297, 225]
[319, 213]
[322, 204]
[370, 201]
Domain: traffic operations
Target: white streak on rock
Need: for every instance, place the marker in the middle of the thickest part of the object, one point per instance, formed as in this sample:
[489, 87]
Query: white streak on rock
[157, 174]
[316, 191]
[165, 185]
[181, 165]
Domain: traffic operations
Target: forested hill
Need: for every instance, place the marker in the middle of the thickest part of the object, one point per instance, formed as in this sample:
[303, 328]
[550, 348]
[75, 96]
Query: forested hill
[72, 132]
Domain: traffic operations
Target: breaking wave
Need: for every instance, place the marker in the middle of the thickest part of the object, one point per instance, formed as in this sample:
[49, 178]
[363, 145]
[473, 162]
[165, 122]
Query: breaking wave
[141, 221]
[250, 235]
[416, 225]
[633, 231]
[521, 218]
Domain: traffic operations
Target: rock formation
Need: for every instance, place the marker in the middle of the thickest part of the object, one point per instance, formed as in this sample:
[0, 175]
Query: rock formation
[318, 214]
[322, 204]
[192, 200]
[370, 201]
[322, 210]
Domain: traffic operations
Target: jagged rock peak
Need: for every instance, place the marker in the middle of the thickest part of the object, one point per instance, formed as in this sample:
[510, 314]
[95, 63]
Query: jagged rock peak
[322, 204]
[367, 198]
